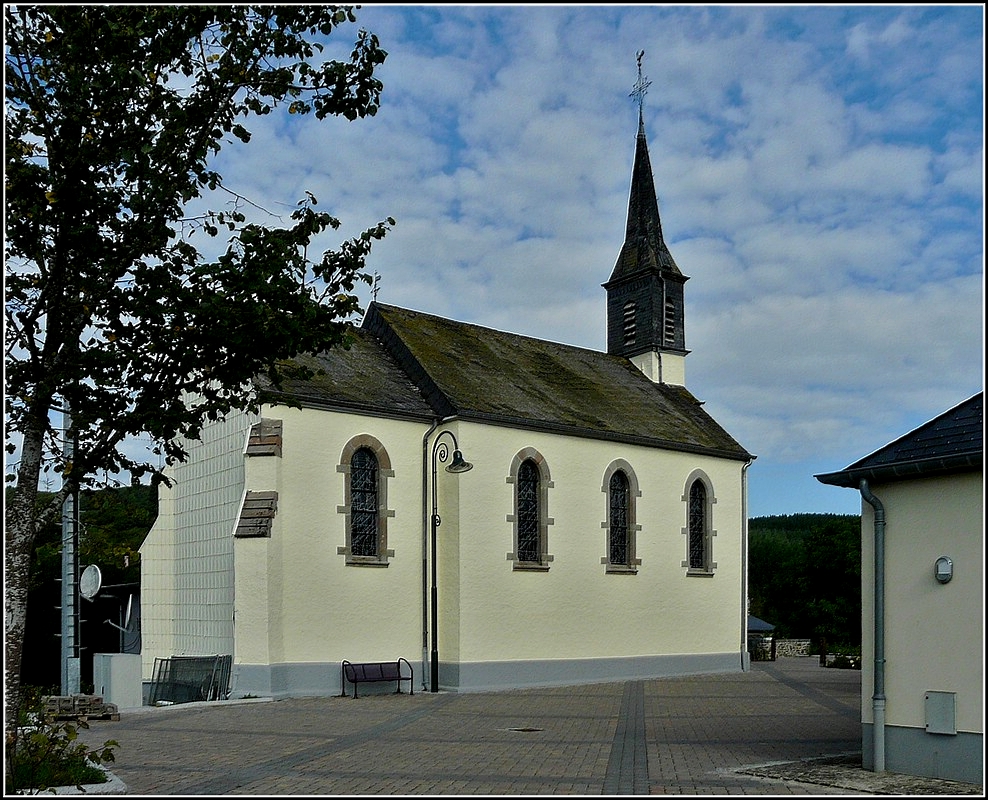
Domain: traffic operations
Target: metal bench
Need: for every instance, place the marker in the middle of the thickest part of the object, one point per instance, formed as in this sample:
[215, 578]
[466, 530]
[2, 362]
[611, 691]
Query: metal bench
[374, 672]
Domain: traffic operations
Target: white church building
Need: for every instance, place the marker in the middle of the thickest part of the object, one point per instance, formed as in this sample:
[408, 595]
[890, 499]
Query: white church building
[600, 534]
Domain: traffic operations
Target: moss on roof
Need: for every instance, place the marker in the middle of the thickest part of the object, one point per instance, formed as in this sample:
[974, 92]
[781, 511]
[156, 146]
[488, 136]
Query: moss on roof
[409, 364]
[517, 380]
[362, 377]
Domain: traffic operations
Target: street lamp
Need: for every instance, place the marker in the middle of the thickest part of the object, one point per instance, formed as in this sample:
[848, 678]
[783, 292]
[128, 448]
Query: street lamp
[440, 452]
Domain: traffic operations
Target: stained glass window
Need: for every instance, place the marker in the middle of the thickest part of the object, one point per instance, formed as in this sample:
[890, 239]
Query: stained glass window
[698, 526]
[619, 495]
[528, 512]
[363, 503]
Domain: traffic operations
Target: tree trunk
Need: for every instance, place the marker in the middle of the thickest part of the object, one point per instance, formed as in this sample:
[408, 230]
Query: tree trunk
[19, 531]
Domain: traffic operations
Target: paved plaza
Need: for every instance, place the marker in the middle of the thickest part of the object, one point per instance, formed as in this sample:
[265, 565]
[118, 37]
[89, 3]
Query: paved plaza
[778, 729]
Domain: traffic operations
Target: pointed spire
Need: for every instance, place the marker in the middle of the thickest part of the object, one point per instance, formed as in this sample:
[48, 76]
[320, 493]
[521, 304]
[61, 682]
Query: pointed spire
[644, 248]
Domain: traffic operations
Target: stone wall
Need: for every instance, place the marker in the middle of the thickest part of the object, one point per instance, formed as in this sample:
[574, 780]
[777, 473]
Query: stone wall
[760, 648]
[789, 648]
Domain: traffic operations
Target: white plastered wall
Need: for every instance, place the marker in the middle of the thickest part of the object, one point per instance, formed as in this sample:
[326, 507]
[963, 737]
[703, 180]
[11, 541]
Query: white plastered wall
[187, 578]
[576, 609]
[297, 599]
[933, 632]
[662, 367]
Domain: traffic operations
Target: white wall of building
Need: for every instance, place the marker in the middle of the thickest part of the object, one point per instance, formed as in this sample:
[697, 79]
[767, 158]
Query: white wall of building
[576, 609]
[300, 609]
[934, 633]
[187, 589]
[297, 599]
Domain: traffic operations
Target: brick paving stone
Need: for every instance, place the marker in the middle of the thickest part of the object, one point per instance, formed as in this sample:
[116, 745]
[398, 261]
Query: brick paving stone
[704, 734]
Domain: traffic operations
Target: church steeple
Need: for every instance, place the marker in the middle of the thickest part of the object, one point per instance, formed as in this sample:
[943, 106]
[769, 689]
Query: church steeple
[644, 248]
[645, 290]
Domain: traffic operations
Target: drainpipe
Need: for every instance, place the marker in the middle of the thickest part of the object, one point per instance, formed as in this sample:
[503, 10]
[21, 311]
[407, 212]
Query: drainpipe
[744, 563]
[878, 697]
[425, 547]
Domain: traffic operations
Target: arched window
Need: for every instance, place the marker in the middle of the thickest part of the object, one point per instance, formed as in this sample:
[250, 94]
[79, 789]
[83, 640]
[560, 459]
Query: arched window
[698, 495]
[698, 526]
[528, 512]
[618, 548]
[530, 477]
[620, 488]
[363, 503]
[366, 469]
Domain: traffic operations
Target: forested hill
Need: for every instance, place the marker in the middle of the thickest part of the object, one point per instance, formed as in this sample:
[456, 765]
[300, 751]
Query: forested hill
[798, 523]
[804, 575]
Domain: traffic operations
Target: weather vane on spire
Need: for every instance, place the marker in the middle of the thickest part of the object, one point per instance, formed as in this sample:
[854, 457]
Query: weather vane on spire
[641, 88]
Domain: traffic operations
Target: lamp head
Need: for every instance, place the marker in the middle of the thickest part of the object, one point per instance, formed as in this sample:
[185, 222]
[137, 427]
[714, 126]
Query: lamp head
[458, 464]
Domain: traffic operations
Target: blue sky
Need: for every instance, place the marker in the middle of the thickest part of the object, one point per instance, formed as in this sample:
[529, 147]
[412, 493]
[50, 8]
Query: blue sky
[820, 178]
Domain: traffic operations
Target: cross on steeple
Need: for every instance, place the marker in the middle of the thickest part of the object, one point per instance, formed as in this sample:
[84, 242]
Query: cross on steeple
[641, 87]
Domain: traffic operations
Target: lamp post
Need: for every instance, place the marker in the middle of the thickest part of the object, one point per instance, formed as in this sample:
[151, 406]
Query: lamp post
[440, 452]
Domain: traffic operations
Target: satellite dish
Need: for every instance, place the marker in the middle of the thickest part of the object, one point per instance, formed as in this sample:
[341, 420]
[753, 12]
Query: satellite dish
[90, 582]
[126, 622]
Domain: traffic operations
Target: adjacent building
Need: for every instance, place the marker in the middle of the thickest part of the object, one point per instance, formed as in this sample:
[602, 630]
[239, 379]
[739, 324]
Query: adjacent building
[922, 572]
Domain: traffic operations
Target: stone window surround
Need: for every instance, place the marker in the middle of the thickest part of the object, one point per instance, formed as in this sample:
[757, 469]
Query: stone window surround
[631, 568]
[545, 484]
[384, 473]
[709, 531]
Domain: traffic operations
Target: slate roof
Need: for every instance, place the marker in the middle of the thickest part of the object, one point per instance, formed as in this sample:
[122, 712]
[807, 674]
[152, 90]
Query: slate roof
[503, 378]
[364, 378]
[416, 365]
[951, 442]
[756, 625]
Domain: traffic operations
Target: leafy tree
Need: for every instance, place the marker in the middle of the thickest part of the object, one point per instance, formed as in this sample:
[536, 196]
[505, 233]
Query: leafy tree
[776, 563]
[805, 575]
[113, 115]
[114, 523]
[833, 582]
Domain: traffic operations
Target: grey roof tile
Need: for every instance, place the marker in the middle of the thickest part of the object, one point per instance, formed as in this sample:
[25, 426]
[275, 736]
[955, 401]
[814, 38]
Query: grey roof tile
[363, 377]
[955, 432]
[950, 442]
[504, 378]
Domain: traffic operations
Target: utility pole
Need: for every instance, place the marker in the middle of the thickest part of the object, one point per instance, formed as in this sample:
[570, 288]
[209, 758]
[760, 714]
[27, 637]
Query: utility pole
[70, 569]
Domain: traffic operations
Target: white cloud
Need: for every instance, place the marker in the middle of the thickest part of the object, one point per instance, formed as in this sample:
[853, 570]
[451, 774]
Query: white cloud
[819, 172]
[824, 212]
